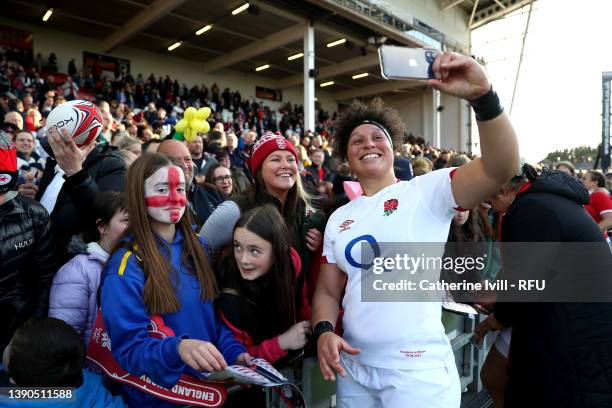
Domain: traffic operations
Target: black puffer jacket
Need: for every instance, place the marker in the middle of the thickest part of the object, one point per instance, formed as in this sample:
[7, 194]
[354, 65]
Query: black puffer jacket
[560, 353]
[27, 263]
[103, 169]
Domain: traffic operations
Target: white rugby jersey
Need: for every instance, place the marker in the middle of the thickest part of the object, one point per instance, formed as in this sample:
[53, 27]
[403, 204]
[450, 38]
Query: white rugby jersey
[402, 335]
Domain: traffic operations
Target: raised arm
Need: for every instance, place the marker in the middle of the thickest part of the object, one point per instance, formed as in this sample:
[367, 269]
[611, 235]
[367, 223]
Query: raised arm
[463, 77]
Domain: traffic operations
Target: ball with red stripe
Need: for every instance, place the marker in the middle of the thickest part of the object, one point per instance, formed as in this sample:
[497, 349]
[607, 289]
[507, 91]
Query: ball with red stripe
[82, 119]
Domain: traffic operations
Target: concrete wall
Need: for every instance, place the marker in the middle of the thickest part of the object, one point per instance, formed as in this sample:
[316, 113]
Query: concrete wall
[418, 113]
[452, 22]
[410, 109]
[67, 46]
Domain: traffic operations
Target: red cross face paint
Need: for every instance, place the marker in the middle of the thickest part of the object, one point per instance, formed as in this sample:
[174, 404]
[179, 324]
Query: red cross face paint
[165, 195]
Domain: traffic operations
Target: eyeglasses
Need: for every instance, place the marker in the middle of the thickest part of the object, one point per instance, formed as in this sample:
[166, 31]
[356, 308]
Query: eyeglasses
[222, 178]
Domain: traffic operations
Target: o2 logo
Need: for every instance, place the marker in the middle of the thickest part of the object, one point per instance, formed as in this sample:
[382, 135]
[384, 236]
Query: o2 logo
[373, 245]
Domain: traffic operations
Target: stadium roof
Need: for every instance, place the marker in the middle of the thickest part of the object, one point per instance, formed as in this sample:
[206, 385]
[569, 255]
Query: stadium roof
[268, 32]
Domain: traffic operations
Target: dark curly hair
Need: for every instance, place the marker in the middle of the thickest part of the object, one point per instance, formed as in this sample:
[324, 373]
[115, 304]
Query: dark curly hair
[356, 114]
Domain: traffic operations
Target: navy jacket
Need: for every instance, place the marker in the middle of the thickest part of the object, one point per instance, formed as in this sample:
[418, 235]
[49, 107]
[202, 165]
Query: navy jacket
[560, 353]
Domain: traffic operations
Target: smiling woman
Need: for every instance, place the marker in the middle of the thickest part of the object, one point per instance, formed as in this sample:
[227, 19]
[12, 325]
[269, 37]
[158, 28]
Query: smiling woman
[277, 182]
[401, 344]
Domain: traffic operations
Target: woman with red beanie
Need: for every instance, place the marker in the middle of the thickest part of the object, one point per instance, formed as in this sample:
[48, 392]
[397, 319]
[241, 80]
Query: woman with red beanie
[274, 165]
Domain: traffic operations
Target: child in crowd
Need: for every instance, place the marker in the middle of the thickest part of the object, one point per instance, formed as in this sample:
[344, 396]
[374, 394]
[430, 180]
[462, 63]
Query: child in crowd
[258, 299]
[258, 296]
[49, 353]
[161, 268]
[75, 286]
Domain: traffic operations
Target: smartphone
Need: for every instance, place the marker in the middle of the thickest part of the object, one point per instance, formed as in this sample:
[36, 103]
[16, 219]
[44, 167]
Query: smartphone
[406, 63]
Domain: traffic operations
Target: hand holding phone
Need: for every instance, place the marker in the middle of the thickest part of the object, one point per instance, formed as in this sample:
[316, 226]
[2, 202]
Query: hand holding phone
[452, 73]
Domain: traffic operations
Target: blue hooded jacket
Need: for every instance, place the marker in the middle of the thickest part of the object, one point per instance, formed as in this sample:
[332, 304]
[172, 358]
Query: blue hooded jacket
[126, 318]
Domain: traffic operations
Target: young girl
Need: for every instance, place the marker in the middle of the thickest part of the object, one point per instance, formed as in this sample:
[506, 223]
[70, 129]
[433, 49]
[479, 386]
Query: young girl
[75, 286]
[161, 268]
[258, 280]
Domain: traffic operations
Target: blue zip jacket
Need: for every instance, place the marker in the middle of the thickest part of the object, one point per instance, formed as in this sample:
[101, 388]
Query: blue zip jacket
[126, 318]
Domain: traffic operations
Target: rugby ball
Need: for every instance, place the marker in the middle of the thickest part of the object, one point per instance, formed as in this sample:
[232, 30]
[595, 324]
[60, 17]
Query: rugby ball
[82, 119]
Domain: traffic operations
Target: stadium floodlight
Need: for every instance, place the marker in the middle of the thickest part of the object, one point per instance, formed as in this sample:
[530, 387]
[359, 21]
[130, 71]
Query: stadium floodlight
[262, 67]
[175, 46]
[337, 42]
[295, 56]
[240, 9]
[47, 15]
[204, 29]
[357, 76]
[328, 83]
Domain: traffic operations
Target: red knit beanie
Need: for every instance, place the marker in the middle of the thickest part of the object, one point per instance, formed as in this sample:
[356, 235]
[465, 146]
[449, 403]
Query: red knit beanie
[269, 143]
[8, 163]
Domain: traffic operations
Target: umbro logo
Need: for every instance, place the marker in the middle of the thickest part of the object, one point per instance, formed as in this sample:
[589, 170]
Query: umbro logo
[345, 225]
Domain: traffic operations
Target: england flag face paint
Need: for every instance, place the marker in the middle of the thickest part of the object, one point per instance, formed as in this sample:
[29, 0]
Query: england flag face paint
[165, 195]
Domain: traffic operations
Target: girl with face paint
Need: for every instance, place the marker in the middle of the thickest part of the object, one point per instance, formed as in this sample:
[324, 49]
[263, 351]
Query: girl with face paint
[161, 268]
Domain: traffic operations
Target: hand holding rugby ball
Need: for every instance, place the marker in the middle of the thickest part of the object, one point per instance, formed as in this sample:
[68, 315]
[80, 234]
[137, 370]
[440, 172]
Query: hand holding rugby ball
[82, 119]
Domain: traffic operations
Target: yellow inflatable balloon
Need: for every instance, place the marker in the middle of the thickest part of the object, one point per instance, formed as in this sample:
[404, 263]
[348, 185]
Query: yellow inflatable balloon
[190, 113]
[181, 125]
[203, 113]
[193, 122]
[189, 135]
[206, 127]
[197, 125]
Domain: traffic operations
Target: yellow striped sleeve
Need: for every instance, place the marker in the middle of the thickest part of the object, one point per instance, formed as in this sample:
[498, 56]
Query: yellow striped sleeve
[123, 263]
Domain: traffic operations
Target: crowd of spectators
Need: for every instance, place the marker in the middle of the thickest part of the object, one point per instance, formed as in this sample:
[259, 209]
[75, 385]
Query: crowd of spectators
[66, 212]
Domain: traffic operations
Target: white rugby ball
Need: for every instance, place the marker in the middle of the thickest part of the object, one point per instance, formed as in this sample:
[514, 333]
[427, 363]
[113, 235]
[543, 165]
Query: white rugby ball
[82, 119]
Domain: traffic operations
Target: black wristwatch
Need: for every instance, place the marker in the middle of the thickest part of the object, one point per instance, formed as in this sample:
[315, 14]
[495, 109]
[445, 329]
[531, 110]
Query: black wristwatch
[320, 328]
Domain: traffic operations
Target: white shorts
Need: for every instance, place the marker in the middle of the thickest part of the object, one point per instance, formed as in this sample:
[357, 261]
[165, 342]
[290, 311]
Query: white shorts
[366, 387]
[502, 342]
